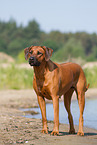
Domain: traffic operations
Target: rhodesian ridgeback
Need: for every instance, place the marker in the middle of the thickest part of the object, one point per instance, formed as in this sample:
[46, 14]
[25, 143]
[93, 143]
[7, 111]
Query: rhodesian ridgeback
[52, 80]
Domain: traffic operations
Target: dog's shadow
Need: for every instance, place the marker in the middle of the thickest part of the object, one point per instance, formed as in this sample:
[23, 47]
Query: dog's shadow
[67, 133]
[90, 134]
[60, 133]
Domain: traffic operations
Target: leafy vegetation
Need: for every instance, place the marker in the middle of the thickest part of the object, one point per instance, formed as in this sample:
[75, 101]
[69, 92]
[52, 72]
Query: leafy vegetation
[15, 78]
[19, 78]
[91, 76]
[71, 49]
[66, 46]
[13, 39]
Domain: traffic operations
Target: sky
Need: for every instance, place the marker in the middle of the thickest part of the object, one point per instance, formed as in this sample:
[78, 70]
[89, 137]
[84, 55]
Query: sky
[60, 15]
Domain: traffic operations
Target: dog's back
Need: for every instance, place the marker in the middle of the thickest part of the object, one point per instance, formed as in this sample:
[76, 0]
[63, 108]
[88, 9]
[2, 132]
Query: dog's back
[73, 73]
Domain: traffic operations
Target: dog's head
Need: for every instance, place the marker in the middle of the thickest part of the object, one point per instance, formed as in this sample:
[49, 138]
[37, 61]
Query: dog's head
[36, 54]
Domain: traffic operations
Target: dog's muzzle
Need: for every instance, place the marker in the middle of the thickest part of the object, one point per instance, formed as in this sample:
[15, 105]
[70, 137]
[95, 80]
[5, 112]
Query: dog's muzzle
[33, 61]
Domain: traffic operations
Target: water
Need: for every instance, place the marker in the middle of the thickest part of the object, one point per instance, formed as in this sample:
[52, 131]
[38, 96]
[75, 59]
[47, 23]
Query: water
[90, 113]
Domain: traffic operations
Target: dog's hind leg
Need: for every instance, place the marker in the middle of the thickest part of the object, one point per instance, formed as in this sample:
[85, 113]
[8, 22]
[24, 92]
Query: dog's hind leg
[67, 102]
[81, 101]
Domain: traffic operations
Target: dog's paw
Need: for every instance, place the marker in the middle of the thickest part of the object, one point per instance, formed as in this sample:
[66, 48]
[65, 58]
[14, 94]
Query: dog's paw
[80, 133]
[44, 131]
[55, 133]
[72, 131]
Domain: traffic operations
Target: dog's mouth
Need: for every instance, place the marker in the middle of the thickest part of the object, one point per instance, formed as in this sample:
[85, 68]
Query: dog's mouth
[34, 62]
[31, 63]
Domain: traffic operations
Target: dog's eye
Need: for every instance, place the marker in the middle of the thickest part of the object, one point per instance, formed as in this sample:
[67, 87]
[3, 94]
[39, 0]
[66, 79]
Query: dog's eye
[31, 52]
[38, 53]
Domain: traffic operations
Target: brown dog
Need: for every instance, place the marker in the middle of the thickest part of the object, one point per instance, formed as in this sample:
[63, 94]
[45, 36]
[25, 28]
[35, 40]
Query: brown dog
[52, 80]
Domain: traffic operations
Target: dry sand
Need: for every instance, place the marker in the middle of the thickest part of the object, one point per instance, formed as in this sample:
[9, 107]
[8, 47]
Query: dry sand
[15, 129]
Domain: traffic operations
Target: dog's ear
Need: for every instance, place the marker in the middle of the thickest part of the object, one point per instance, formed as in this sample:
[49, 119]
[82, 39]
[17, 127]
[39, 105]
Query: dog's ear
[26, 52]
[48, 53]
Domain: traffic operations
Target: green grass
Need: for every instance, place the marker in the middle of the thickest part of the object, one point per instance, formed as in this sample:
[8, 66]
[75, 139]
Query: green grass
[91, 76]
[15, 78]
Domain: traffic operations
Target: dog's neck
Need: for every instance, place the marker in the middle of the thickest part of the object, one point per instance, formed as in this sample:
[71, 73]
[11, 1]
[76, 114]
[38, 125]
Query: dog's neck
[44, 67]
[40, 70]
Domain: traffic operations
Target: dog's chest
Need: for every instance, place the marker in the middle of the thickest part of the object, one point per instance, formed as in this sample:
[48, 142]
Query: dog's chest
[43, 89]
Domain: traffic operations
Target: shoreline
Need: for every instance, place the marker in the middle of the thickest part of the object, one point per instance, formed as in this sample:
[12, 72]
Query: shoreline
[15, 129]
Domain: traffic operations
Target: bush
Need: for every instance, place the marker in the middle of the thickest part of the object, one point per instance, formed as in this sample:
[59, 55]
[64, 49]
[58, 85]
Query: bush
[93, 55]
[15, 78]
[91, 76]
[19, 78]
[21, 57]
[72, 49]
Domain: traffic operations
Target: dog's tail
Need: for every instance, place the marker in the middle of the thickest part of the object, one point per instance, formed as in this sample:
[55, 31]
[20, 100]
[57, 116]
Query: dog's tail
[87, 87]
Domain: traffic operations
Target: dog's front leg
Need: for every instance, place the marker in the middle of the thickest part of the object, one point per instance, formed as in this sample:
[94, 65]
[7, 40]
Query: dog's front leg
[41, 102]
[56, 116]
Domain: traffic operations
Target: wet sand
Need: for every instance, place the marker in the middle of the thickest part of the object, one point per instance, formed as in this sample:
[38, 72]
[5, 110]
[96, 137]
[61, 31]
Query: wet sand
[15, 129]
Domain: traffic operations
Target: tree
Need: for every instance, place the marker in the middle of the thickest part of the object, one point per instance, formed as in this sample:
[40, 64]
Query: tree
[52, 44]
[93, 55]
[15, 47]
[32, 30]
[72, 49]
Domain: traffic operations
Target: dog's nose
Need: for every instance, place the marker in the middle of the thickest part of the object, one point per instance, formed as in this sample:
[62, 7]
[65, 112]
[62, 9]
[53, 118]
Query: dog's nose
[32, 58]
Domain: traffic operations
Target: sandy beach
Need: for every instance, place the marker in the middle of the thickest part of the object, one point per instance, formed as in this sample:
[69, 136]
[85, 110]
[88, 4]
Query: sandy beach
[15, 129]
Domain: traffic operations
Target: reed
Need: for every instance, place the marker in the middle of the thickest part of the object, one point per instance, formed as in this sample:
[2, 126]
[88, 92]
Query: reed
[16, 78]
[13, 77]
